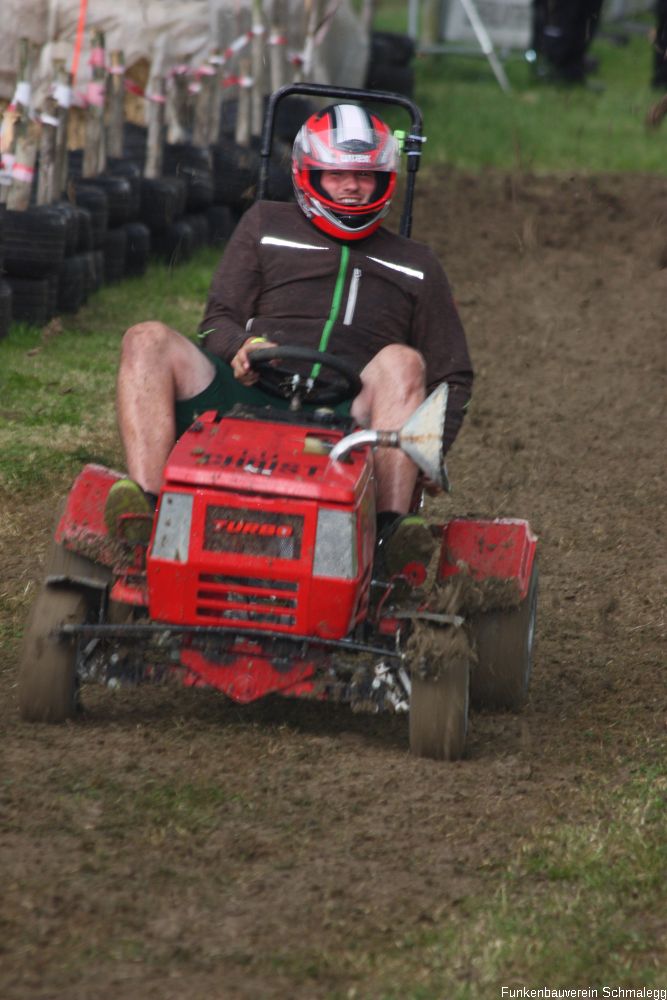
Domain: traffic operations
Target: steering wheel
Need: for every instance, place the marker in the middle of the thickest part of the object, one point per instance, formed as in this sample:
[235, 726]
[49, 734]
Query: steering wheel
[286, 383]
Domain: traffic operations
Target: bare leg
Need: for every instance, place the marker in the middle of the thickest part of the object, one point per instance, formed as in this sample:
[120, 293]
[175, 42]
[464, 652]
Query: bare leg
[157, 367]
[393, 388]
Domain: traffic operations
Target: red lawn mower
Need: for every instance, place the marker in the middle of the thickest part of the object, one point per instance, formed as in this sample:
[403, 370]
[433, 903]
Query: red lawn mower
[259, 575]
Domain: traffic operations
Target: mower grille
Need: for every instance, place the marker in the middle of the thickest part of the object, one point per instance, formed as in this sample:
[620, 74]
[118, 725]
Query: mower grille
[246, 600]
[252, 532]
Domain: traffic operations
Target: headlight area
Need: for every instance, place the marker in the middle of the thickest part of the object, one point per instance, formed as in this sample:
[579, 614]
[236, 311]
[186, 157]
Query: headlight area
[172, 534]
[336, 544]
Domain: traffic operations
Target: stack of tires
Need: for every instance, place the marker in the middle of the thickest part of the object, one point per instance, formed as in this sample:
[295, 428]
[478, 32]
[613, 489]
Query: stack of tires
[120, 241]
[176, 206]
[35, 241]
[184, 208]
[390, 65]
[5, 290]
[236, 168]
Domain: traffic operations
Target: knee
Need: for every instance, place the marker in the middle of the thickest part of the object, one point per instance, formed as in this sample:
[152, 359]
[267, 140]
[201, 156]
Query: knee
[144, 342]
[400, 366]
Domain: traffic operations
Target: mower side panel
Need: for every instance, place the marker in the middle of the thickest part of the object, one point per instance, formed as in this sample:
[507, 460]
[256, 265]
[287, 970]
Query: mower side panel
[81, 528]
[500, 549]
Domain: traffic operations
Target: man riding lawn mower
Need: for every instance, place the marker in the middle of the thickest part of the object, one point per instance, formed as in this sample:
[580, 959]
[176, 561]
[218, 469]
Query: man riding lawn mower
[285, 456]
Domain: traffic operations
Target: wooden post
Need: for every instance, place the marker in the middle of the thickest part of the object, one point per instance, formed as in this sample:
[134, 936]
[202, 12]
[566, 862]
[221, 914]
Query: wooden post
[155, 94]
[257, 69]
[225, 29]
[47, 190]
[203, 118]
[63, 95]
[25, 137]
[312, 11]
[178, 101]
[277, 43]
[94, 150]
[7, 142]
[431, 19]
[243, 113]
[116, 104]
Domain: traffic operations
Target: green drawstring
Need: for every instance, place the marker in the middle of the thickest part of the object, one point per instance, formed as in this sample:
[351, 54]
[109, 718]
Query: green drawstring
[335, 306]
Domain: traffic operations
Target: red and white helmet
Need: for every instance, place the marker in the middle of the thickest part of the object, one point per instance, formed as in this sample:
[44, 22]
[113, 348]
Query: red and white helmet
[344, 137]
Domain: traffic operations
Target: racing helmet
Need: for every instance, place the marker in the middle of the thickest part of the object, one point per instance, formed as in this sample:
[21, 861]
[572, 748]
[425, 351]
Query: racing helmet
[344, 137]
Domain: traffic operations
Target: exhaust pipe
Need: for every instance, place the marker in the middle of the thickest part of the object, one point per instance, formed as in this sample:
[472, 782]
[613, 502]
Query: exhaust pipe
[420, 438]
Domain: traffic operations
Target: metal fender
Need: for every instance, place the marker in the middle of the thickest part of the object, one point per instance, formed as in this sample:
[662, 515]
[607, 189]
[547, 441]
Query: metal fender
[500, 549]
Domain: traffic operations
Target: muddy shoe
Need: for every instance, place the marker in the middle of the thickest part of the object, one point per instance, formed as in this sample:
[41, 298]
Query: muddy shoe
[406, 540]
[128, 513]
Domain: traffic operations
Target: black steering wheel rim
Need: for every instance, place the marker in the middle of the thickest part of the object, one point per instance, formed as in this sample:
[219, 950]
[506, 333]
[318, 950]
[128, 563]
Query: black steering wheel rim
[280, 381]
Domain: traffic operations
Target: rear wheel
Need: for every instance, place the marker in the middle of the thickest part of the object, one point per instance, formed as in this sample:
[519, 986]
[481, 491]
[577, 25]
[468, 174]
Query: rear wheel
[504, 642]
[47, 684]
[439, 711]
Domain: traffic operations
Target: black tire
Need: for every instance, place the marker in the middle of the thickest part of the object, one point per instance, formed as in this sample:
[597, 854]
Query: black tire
[235, 173]
[2, 238]
[34, 241]
[47, 685]
[279, 182]
[132, 173]
[504, 641]
[31, 300]
[89, 272]
[84, 240]
[72, 284]
[98, 269]
[134, 143]
[221, 222]
[5, 308]
[138, 248]
[198, 223]
[69, 213]
[114, 249]
[119, 197]
[159, 202]
[391, 48]
[439, 712]
[175, 243]
[53, 282]
[94, 199]
[290, 115]
[193, 165]
[399, 79]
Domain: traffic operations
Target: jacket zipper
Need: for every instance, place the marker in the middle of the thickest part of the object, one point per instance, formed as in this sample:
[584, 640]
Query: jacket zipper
[335, 305]
[352, 296]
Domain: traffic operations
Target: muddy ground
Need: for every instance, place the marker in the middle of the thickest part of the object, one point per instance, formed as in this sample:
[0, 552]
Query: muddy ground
[172, 845]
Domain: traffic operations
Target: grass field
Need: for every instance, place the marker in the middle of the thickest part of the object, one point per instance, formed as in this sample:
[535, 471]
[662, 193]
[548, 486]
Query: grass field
[471, 123]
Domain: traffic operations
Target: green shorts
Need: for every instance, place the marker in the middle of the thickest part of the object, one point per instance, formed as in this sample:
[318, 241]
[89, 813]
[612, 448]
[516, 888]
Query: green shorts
[225, 391]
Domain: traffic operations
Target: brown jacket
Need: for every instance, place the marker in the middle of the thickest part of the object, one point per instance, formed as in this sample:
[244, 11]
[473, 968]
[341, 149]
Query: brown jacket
[282, 278]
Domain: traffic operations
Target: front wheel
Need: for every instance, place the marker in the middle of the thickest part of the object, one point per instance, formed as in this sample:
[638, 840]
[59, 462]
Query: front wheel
[439, 711]
[47, 672]
[47, 683]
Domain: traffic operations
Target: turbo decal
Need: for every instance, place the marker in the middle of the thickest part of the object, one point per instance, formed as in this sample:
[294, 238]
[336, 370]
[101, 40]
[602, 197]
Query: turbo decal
[241, 527]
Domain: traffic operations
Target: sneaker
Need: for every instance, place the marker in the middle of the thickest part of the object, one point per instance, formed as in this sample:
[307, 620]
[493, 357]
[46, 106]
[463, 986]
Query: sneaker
[128, 513]
[407, 539]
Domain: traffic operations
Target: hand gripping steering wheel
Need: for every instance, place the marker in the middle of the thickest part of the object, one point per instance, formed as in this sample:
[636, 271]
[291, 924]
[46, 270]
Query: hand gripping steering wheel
[286, 383]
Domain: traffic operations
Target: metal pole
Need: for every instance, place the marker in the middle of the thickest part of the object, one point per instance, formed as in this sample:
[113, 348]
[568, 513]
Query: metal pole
[485, 43]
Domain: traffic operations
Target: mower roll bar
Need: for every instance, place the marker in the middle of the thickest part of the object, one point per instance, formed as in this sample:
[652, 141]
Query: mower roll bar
[412, 143]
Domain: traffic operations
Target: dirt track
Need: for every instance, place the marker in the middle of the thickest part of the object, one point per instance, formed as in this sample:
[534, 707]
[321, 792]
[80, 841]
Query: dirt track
[175, 846]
